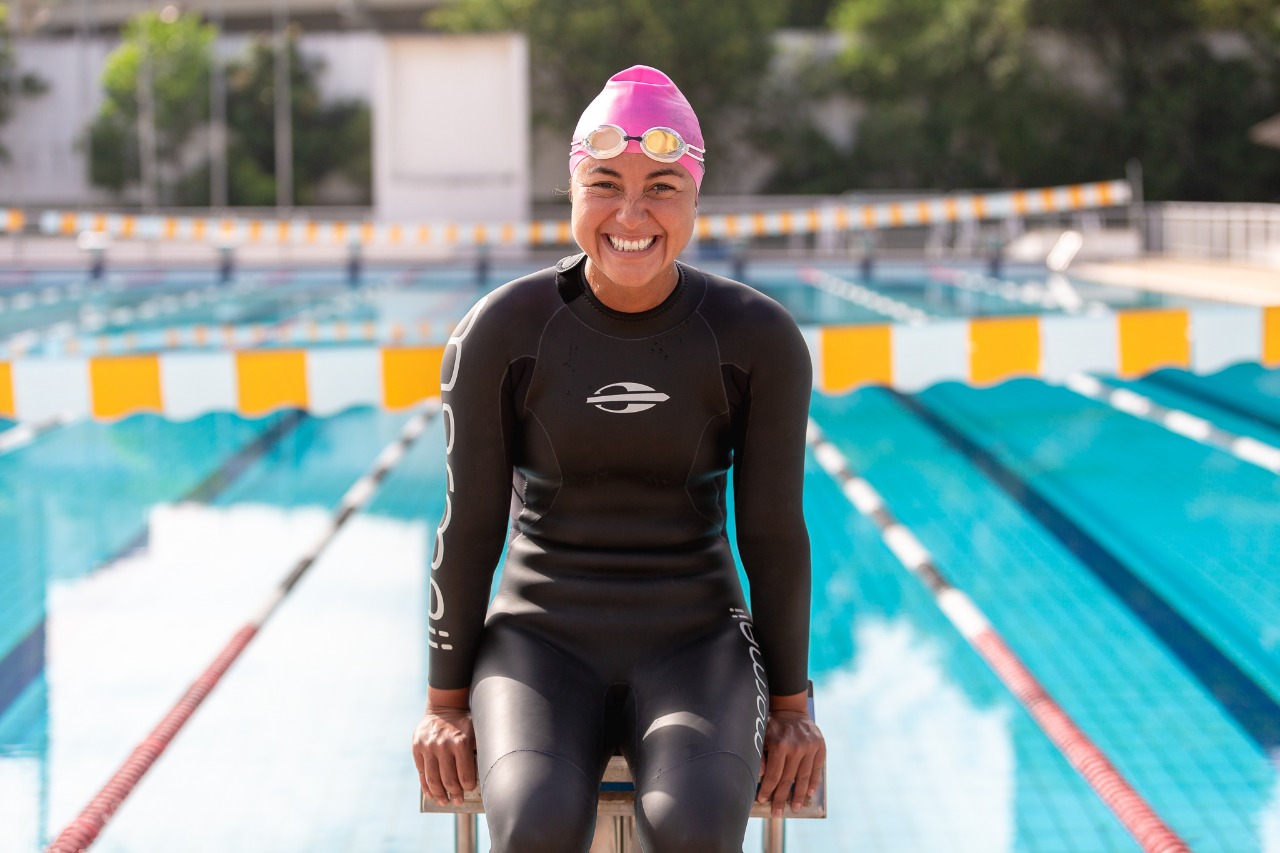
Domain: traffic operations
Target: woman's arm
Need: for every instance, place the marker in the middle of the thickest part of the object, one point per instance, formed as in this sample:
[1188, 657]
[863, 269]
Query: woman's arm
[773, 543]
[768, 467]
[478, 423]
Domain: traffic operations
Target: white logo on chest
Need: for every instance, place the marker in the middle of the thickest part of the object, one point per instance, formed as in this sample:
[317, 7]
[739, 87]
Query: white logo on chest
[623, 398]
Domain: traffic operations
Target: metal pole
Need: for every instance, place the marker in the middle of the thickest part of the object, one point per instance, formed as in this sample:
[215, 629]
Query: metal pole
[775, 835]
[1137, 207]
[148, 166]
[465, 833]
[218, 194]
[284, 118]
[14, 166]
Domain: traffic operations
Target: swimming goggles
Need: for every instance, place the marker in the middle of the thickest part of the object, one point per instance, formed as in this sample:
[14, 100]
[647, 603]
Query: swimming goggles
[660, 143]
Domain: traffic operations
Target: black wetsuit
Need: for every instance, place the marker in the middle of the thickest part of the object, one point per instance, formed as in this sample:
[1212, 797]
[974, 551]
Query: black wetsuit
[607, 437]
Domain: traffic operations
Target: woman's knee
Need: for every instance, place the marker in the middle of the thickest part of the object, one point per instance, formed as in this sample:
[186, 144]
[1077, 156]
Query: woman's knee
[538, 803]
[700, 805]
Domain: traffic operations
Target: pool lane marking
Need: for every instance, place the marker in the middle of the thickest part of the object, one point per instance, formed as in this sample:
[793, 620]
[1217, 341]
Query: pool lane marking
[1243, 447]
[226, 474]
[21, 665]
[155, 302]
[1134, 813]
[864, 296]
[88, 825]
[22, 434]
[1254, 710]
[1032, 293]
[149, 307]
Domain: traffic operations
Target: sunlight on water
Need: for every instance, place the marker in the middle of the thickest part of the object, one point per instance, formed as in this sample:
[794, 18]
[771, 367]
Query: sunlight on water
[912, 764]
[19, 803]
[126, 641]
[1269, 819]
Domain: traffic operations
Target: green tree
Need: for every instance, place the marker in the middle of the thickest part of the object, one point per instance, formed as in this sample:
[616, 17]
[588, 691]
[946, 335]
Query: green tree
[808, 13]
[957, 93]
[179, 58]
[14, 83]
[328, 137]
[953, 98]
[717, 52]
[1176, 104]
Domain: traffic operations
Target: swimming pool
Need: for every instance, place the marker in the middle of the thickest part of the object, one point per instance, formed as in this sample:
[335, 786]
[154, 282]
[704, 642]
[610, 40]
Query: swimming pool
[1130, 568]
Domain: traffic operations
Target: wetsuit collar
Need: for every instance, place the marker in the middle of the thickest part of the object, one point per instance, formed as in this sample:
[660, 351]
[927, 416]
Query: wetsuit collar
[679, 305]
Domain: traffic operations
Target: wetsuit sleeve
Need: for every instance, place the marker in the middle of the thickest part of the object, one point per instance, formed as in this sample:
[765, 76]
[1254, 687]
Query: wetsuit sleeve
[478, 427]
[773, 541]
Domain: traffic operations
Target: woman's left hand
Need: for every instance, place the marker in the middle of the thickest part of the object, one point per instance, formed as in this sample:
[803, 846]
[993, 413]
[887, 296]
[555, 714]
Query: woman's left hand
[794, 755]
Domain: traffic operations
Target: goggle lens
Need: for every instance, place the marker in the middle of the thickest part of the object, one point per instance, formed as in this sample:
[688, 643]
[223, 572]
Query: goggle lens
[661, 142]
[607, 140]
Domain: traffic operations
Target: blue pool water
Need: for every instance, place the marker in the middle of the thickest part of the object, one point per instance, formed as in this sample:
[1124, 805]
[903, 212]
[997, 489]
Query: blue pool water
[1132, 570]
[40, 312]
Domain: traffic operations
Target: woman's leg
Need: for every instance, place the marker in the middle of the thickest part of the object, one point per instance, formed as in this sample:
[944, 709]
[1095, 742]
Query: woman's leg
[538, 722]
[697, 715]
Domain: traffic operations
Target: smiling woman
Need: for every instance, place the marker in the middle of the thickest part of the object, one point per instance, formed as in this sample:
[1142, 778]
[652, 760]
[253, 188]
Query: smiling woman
[602, 403]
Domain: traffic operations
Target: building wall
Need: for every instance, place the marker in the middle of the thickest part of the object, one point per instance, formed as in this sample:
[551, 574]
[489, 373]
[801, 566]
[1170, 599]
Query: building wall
[451, 128]
[46, 165]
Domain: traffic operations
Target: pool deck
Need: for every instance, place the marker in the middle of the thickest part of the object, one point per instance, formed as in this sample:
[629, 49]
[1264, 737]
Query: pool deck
[1222, 281]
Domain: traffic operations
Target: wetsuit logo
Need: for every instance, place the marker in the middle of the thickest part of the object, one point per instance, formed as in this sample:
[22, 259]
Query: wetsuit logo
[757, 669]
[623, 398]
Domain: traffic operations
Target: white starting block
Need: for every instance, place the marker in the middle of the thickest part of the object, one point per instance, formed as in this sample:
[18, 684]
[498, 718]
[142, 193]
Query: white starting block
[617, 802]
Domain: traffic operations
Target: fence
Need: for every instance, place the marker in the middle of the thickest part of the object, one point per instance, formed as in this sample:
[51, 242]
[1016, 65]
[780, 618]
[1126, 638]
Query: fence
[1248, 233]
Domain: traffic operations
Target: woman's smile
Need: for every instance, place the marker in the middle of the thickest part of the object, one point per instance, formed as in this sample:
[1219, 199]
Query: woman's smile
[622, 244]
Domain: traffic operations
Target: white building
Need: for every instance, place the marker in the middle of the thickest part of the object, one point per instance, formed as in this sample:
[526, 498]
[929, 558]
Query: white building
[424, 90]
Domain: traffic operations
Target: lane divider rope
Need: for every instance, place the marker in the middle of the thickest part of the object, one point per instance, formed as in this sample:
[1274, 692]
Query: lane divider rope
[231, 231]
[81, 833]
[1243, 447]
[864, 297]
[1134, 813]
[83, 331]
[21, 435]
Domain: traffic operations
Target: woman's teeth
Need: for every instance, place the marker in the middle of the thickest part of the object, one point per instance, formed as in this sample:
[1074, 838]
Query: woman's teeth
[631, 245]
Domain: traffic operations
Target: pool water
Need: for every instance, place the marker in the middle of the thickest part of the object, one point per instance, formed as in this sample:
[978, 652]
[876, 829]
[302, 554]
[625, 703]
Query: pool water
[1132, 570]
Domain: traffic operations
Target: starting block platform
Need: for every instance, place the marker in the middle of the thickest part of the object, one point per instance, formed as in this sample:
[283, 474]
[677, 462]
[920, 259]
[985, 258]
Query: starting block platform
[617, 802]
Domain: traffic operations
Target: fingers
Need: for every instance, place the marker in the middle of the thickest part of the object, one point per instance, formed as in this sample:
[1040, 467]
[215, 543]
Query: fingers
[467, 770]
[431, 781]
[819, 761]
[444, 753]
[449, 780]
[770, 774]
[804, 771]
[783, 789]
[792, 768]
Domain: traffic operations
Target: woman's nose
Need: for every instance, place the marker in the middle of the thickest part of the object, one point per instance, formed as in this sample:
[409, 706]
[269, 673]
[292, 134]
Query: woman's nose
[632, 210]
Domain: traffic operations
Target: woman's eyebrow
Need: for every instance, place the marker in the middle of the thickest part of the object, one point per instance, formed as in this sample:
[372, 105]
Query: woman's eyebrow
[661, 173]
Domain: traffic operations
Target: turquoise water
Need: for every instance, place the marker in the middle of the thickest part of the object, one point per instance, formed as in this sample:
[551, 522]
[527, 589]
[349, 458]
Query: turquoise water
[41, 311]
[1132, 570]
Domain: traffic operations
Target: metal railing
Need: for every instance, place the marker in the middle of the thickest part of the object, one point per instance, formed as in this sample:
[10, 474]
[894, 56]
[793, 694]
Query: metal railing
[1249, 233]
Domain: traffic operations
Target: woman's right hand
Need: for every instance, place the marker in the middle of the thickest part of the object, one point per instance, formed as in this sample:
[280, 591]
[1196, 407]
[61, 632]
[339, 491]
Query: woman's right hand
[444, 749]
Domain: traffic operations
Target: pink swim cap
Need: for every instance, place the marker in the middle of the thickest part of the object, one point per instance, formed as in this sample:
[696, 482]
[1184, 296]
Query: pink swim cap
[636, 100]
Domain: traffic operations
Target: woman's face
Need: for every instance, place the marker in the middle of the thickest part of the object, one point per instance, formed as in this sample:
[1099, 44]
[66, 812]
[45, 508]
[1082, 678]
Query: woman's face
[633, 216]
